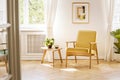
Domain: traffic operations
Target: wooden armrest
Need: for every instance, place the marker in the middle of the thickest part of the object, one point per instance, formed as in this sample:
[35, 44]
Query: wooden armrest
[93, 43]
[93, 46]
[70, 42]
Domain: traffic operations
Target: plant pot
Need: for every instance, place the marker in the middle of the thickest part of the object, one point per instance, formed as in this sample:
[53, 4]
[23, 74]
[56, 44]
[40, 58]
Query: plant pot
[117, 57]
[49, 46]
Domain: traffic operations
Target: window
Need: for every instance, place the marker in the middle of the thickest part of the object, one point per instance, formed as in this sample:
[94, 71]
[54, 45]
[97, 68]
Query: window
[116, 15]
[21, 11]
[31, 13]
[36, 11]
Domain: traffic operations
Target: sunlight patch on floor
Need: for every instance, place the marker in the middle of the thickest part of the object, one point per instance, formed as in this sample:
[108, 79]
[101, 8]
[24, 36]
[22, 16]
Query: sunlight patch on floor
[70, 69]
[47, 65]
[105, 68]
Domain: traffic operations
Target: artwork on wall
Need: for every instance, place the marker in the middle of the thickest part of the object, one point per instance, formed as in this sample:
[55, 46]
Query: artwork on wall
[80, 12]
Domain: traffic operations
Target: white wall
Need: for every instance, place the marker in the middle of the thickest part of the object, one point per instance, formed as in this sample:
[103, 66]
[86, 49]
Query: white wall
[65, 30]
[3, 18]
[3, 14]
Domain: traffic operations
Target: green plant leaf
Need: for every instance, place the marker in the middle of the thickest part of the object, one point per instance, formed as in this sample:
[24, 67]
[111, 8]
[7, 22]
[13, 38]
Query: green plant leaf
[49, 41]
[116, 35]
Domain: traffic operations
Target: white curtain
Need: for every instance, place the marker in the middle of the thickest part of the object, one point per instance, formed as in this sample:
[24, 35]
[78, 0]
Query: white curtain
[109, 6]
[51, 8]
[50, 11]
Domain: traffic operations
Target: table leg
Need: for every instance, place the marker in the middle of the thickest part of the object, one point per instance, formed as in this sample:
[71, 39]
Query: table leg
[53, 57]
[60, 55]
[44, 53]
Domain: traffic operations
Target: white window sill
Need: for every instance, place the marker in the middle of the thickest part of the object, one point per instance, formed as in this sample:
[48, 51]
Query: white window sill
[33, 27]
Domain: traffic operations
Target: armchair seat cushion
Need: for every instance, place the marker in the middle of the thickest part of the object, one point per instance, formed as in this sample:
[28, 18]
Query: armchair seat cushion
[79, 52]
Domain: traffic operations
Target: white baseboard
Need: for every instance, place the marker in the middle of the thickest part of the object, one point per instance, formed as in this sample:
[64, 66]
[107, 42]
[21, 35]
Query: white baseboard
[39, 57]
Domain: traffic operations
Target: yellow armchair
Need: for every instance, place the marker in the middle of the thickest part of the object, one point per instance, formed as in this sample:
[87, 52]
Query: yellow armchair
[85, 45]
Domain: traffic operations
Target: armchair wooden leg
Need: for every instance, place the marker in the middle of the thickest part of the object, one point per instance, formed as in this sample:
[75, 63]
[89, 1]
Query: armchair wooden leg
[75, 59]
[97, 56]
[66, 60]
[5, 59]
[90, 63]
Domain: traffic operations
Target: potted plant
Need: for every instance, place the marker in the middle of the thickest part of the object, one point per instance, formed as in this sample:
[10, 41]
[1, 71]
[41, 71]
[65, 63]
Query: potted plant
[49, 42]
[116, 35]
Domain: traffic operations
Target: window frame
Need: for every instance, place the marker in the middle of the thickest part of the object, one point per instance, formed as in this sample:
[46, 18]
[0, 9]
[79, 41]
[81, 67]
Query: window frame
[26, 25]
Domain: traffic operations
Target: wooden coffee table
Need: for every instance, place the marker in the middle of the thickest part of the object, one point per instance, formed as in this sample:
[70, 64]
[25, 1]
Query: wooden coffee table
[45, 49]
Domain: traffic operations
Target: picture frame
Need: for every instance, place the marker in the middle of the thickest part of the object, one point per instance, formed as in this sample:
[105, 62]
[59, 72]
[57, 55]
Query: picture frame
[80, 12]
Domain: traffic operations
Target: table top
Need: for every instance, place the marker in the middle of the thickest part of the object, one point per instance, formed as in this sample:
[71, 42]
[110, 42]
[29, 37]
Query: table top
[46, 48]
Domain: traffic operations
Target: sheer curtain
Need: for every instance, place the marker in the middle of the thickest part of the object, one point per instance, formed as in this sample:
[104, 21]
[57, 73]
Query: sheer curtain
[109, 6]
[116, 15]
[50, 11]
[51, 8]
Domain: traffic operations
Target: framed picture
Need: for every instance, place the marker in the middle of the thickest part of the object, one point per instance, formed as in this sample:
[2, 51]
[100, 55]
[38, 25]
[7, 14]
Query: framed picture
[80, 12]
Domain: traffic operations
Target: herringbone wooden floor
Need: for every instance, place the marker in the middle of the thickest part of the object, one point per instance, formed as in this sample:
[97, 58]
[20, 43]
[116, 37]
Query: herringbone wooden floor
[34, 70]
